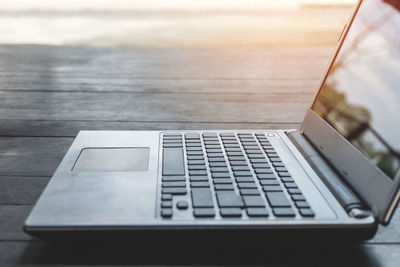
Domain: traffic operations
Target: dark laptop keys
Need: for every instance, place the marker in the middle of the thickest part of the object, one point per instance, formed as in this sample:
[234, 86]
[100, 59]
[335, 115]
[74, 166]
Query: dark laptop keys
[173, 163]
[202, 198]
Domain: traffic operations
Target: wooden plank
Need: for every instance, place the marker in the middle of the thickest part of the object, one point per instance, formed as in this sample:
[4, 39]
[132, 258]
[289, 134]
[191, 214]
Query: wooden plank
[21, 190]
[140, 85]
[28, 128]
[117, 252]
[27, 156]
[41, 63]
[217, 107]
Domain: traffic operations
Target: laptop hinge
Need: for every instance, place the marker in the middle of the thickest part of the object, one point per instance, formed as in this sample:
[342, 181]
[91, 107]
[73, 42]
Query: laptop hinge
[343, 193]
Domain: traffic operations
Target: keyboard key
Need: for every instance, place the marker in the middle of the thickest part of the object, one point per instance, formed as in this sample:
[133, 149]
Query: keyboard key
[192, 136]
[220, 159]
[173, 184]
[166, 213]
[236, 158]
[240, 168]
[219, 169]
[166, 197]
[227, 134]
[269, 182]
[177, 141]
[229, 199]
[210, 135]
[256, 156]
[298, 197]
[197, 145]
[214, 155]
[247, 185]
[194, 148]
[250, 152]
[197, 167]
[236, 154]
[284, 174]
[275, 160]
[287, 179]
[196, 162]
[261, 166]
[244, 179]
[172, 138]
[242, 173]
[277, 199]
[182, 205]
[249, 192]
[176, 145]
[261, 171]
[305, 212]
[238, 163]
[278, 164]
[198, 178]
[262, 161]
[257, 212]
[174, 191]
[195, 158]
[194, 141]
[199, 184]
[253, 201]
[172, 134]
[290, 185]
[233, 149]
[294, 191]
[211, 143]
[231, 212]
[221, 175]
[198, 173]
[217, 164]
[173, 178]
[214, 150]
[236, 145]
[173, 163]
[213, 146]
[222, 181]
[266, 176]
[302, 204]
[166, 204]
[202, 198]
[272, 188]
[194, 153]
[224, 187]
[197, 212]
[283, 212]
[281, 169]
[250, 143]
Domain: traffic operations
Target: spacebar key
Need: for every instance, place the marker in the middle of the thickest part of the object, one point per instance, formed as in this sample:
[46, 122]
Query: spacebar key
[173, 163]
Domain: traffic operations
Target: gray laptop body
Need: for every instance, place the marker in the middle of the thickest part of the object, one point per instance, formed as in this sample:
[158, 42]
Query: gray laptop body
[337, 174]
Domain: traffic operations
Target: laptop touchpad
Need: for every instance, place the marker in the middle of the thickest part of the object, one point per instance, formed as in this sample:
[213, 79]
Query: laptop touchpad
[129, 159]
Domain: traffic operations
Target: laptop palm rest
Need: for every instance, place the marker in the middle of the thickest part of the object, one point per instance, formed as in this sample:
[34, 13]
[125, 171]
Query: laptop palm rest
[129, 159]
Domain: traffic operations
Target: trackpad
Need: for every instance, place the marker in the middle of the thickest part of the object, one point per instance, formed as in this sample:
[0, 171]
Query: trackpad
[127, 159]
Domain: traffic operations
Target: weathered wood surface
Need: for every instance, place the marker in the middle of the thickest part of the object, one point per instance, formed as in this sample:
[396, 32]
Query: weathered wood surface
[48, 94]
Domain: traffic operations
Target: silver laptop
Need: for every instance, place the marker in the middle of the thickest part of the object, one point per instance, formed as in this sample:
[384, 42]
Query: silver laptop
[336, 175]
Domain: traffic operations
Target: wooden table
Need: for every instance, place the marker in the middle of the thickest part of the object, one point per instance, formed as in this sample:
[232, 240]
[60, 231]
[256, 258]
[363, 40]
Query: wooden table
[50, 93]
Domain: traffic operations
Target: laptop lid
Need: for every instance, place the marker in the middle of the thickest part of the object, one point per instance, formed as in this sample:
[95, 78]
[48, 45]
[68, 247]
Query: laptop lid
[354, 119]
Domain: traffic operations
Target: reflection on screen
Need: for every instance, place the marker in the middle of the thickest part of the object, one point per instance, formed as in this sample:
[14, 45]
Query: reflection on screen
[361, 95]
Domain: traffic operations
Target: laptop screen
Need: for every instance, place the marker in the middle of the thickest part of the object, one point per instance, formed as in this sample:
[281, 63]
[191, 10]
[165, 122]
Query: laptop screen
[360, 96]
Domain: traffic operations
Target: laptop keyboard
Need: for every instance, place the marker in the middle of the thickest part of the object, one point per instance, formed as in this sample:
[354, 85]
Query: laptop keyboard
[229, 175]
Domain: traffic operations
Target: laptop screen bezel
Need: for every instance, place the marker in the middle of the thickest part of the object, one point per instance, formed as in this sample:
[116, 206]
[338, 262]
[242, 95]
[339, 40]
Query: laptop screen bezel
[379, 191]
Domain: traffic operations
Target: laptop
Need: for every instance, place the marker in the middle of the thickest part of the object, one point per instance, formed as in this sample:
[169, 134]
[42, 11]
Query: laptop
[338, 175]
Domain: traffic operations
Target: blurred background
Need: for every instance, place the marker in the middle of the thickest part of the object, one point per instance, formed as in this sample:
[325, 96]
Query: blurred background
[174, 23]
